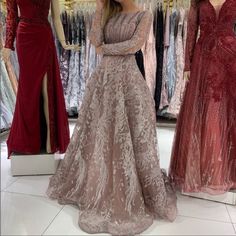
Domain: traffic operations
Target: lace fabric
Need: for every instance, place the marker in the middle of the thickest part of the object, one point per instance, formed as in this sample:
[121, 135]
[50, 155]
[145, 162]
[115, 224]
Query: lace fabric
[111, 168]
[177, 98]
[11, 23]
[192, 31]
[204, 152]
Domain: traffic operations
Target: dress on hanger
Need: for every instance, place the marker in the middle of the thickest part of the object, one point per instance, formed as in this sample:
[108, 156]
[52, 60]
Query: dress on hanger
[37, 58]
[159, 34]
[204, 151]
[73, 85]
[6, 116]
[176, 100]
[111, 169]
[171, 57]
[7, 94]
[163, 92]
[82, 57]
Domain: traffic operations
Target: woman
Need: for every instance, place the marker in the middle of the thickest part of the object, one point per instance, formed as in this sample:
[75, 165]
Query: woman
[111, 170]
[204, 152]
[40, 119]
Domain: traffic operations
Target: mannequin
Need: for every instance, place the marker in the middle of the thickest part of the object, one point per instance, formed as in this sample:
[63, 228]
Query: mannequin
[204, 151]
[217, 5]
[26, 137]
[55, 11]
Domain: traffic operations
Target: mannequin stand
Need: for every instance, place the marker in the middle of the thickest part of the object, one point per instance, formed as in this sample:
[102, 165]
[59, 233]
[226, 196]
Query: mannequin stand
[226, 198]
[41, 164]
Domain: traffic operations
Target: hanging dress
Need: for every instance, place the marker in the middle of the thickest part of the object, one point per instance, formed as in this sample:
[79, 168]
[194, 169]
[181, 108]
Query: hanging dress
[177, 97]
[166, 43]
[37, 58]
[171, 57]
[159, 34]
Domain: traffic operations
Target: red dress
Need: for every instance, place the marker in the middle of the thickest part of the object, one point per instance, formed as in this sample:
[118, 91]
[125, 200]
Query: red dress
[37, 58]
[204, 151]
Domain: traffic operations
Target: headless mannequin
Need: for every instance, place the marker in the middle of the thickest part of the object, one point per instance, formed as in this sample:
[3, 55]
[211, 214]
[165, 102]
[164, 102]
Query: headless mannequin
[217, 4]
[55, 12]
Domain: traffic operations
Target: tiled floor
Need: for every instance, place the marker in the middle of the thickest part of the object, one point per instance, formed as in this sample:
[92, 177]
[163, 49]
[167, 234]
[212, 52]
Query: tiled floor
[25, 209]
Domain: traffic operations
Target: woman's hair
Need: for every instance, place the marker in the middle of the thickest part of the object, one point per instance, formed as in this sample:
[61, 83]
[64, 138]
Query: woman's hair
[197, 1]
[111, 8]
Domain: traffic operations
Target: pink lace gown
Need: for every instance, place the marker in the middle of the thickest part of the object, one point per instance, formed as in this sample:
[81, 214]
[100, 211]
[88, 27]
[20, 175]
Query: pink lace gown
[111, 168]
[204, 151]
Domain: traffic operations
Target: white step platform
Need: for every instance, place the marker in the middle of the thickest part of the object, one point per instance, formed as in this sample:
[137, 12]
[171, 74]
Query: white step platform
[226, 198]
[41, 164]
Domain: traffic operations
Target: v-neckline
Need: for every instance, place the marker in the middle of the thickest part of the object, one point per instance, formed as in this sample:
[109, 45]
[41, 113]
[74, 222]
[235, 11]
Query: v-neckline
[214, 9]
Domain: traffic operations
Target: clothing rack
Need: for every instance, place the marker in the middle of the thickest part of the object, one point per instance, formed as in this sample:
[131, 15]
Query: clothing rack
[76, 66]
[149, 47]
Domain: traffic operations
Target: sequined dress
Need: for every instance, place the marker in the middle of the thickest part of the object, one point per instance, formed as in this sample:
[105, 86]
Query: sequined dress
[111, 168]
[204, 151]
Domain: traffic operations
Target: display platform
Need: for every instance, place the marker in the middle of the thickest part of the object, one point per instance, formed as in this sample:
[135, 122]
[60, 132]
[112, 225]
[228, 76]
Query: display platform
[41, 164]
[226, 198]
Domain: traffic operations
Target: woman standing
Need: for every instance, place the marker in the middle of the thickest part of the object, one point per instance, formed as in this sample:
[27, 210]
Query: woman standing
[111, 169]
[204, 152]
[40, 119]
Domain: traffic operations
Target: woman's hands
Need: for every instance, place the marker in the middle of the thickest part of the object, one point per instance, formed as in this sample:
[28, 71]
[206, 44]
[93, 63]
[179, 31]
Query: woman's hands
[55, 12]
[99, 50]
[6, 52]
[69, 46]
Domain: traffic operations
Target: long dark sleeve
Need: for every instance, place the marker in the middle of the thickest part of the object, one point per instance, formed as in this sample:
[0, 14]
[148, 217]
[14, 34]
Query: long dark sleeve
[192, 32]
[11, 23]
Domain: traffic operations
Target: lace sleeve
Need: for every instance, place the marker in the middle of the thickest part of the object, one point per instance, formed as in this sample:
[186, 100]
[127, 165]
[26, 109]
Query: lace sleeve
[192, 32]
[11, 24]
[134, 44]
[96, 34]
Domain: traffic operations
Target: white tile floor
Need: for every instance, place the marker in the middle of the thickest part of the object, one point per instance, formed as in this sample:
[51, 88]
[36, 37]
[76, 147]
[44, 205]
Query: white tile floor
[25, 209]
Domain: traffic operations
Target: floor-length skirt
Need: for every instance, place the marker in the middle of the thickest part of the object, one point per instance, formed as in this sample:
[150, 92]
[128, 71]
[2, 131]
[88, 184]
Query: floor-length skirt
[111, 168]
[204, 151]
[37, 59]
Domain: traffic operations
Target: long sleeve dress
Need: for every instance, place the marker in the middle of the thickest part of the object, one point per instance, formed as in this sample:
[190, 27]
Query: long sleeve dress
[37, 58]
[204, 151]
[111, 168]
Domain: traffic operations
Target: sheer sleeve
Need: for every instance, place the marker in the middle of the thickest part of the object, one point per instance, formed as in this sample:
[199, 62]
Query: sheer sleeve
[11, 24]
[134, 44]
[192, 33]
[96, 34]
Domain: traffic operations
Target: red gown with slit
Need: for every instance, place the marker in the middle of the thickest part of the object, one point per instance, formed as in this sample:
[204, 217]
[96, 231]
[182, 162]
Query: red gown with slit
[37, 59]
[204, 151]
